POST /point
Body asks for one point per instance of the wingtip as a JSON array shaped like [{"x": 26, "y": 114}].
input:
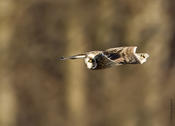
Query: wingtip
[{"x": 61, "y": 58}]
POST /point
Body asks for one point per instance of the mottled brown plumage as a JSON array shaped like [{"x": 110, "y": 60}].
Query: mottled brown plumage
[{"x": 110, "y": 57}]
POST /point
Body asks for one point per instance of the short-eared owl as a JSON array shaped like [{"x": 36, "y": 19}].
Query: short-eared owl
[{"x": 110, "y": 57}]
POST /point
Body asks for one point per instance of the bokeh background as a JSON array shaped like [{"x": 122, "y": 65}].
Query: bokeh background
[{"x": 38, "y": 90}]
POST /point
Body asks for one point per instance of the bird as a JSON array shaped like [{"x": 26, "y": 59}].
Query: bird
[{"x": 96, "y": 60}]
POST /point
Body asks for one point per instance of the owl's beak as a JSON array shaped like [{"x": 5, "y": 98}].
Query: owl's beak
[{"x": 79, "y": 56}]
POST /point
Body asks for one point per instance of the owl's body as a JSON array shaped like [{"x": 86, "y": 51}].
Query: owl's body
[
  {"x": 100, "y": 60},
  {"x": 110, "y": 57}
]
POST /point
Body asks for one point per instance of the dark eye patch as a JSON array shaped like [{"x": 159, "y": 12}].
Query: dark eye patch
[{"x": 91, "y": 60}]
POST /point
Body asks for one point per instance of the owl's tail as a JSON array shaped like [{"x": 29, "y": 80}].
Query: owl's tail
[
  {"x": 79, "y": 56},
  {"x": 137, "y": 58},
  {"x": 142, "y": 57},
  {"x": 129, "y": 56}
]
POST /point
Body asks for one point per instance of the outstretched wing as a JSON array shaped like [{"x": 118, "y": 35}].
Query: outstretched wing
[
  {"x": 78, "y": 56},
  {"x": 125, "y": 55}
]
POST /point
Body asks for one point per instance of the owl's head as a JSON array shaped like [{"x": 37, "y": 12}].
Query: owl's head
[{"x": 90, "y": 61}]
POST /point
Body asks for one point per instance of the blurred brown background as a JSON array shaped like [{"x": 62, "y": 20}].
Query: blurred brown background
[{"x": 38, "y": 90}]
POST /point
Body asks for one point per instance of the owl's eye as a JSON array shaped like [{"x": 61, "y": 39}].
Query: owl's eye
[{"x": 91, "y": 60}]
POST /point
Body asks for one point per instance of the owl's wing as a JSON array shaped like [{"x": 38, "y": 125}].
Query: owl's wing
[
  {"x": 78, "y": 56},
  {"x": 125, "y": 55}
]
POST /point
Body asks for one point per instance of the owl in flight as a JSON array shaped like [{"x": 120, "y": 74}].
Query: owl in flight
[{"x": 113, "y": 56}]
